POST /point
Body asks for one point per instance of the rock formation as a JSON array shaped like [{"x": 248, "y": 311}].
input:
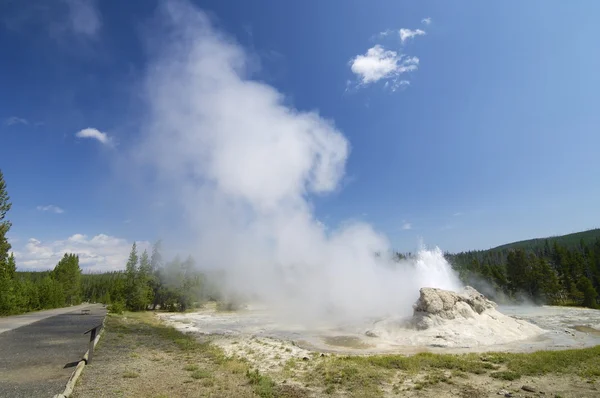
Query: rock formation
[
  {"x": 443, "y": 318},
  {"x": 435, "y": 305}
]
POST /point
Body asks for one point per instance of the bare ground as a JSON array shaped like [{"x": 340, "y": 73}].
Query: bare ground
[
  {"x": 141, "y": 356},
  {"x": 137, "y": 357}
]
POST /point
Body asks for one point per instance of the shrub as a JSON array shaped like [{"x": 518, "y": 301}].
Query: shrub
[{"x": 117, "y": 307}]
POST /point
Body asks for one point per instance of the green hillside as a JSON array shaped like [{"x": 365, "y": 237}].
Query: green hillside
[
  {"x": 555, "y": 270},
  {"x": 570, "y": 241}
]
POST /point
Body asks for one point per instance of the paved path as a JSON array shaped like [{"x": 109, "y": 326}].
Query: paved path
[
  {"x": 34, "y": 349},
  {"x": 12, "y": 322}
]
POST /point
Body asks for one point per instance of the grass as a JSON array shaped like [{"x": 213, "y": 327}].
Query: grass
[
  {"x": 130, "y": 375},
  {"x": 148, "y": 328},
  {"x": 200, "y": 374},
  {"x": 582, "y": 362},
  {"x": 366, "y": 375},
  {"x": 210, "y": 370}
]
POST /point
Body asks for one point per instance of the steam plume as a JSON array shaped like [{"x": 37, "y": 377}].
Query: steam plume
[{"x": 243, "y": 165}]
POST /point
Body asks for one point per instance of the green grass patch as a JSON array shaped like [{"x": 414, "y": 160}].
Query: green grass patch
[
  {"x": 264, "y": 387},
  {"x": 200, "y": 374},
  {"x": 582, "y": 362},
  {"x": 191, "y": 368},
  {"x": 365, "y": 375},
  {"x": 130, "y": 375}
]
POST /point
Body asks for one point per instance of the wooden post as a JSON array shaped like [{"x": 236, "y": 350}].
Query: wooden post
[
  {"x": 91, "y": 343},
  {"x": 91, "y": 348}
]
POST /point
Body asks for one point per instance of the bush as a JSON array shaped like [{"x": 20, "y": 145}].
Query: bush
[{"x": 117, "y": 307}]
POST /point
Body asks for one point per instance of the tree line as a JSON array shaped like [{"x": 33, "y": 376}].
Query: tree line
[
  {"x": 147, "y": 282},
  {"x": 552, "y": 273}
]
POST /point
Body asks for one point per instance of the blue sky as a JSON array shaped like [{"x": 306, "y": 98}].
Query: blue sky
[{"x": 493, "y": 139}]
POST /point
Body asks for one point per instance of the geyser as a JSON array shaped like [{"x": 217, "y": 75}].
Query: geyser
[
  {"x": 445, "y": 318},
  {"x": 243, "y": 164}
]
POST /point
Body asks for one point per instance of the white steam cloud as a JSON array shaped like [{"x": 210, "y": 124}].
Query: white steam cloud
[{"x": 243, "y": 165}]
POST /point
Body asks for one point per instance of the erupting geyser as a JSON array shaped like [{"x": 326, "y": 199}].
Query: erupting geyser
[{"x": 445, "y": 318}]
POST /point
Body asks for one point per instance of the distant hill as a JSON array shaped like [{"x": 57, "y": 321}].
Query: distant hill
[
  {"x": 570, "y": 241},
  {"x": 559, "y": 270}
]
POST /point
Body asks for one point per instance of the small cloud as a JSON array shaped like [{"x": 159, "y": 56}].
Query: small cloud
[
  {"x": 84, "y": 17},
  {"x": 396, "y": 84},
  {"x": 95, "y": 134},
  {"x": 128, "y": 221},
  {"x": 378, "y": 63},
  {"x": 407, "y": 34},
  {"x": 15, "y": 120},
  {"x": 458, "y": 214},
  {"x": 51, "y": 209},
  {"x": 385, "y": 33},
  {"x": 426, "y": 21},
  {"x": 406, "y": 226}
]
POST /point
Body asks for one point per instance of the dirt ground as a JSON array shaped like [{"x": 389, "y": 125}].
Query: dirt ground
[
  {"x": 135, "y": 359},
  {"x": 139, "y": 356}
]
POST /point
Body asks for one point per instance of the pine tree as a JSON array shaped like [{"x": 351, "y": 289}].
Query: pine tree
[
  {"x": 11, "y": 267},
  {"x": 131, "y": 279},
  {"x": 8, "y": 304},
  {"x": 143, "y": 290},
  {"x": 517, "y": 265},
  {"x": 68, "y": 274},
  {"x": 5, "y": 225},
  {"x": 589, "y": 293},
  {"x": 549, "y": 283}
]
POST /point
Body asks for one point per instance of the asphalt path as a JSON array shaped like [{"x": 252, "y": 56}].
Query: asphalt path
[{"x": 36, "y": 347}]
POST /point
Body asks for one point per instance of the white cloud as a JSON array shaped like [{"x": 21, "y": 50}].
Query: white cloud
[
  {"x": 84, "y": 17},
  {"x": 406, "y": 226},
  {"x": 95, "y": 134},
  {"x": 426, "y": 21},
  {"x": 457, "y": 214},
  {"x": 378, "y": 63},
  {"x": 386, "y": 33},
  {"x": 99, "y": 253},
  {"x": 51, "y": 208},
  {"x": 396, "y": 84},
  {"x": 15, "y": 120},
  {"x": 406, "y": 34}
]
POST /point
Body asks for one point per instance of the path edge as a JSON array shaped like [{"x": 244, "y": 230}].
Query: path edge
[{"x": 79, "y": 369}]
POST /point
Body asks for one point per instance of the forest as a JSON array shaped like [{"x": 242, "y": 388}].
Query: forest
[{"x": 561, "y": 270}]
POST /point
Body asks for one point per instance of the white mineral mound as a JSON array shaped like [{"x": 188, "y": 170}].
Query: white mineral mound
[{"x": 443, "y": 318}]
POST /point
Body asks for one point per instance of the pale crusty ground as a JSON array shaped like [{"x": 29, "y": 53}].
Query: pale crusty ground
[{"x": 132, "y": 360}]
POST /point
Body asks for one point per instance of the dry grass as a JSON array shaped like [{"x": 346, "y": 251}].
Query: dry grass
[{"x": 140, "y": 357}]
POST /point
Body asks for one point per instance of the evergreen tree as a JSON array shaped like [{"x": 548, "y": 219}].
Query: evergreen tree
[
  {"x": 549, "y": 284},
  {"x": 131, "y": 269},
  {"x": 588, "y": 292},
  {"x": 5, "y": 225},
  {"x": 517, "y": 265},
  {"x": 51, "y": 294},
  {"x": 143, "y": 292},
  {"x": 68, "y": 274},
  {"x": 8, "y": 304}
]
